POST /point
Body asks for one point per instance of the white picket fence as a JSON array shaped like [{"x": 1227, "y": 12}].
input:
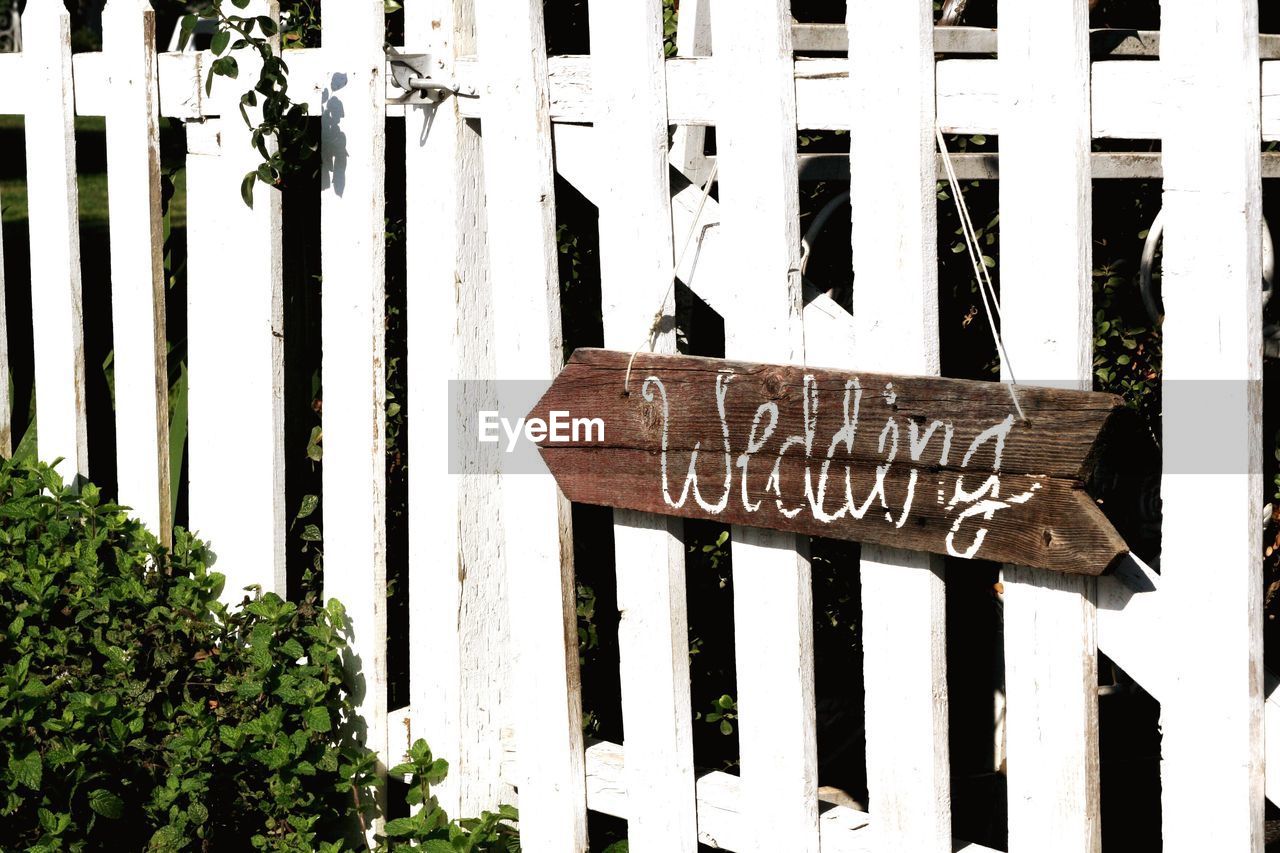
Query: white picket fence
[{"x": 500, "y": 698}]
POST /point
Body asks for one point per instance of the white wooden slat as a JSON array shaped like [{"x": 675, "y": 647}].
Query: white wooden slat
[
  {"x": 527, "y": 341},
  {"x": 723, "y": 822},
  {"x": 1211, "y": 568},
  {"x": 689, "y": 142},
  {"x": 235, "y": 354},
  {"x": 353, "y": 334},
  {"x": 1128, "y": 95},
  {"x": 828, "y": 327},
  {"x": 636, "y": 258},
  {"x": 1050, "y": 636},
  {"x": 53, "y": 205},
  {"x": 895, "y": 313},
  {"x": 137, "y": 276},
  {"x": 759, "y": 197},
  {"x": 460, "y": 645}
]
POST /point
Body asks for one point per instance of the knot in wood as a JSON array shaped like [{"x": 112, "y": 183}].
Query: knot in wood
[{"x": 774, "y": 386}]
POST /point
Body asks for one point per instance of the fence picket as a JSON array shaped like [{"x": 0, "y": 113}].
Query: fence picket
[
  {"x": 759, "y": 208},
  {"x": 689, "y": 142},
  {"x": 520, "y": 191},
  {"x": 895, "y": 312},
  {"x": 235, "y": 350},
  {"x": 53, "y": 210},
  {"x": 1046, "y": 285},
  {"x": 636, "y": 257},
  {"x": 460, "y": 644},
  {"x": 137, "y": 277},
  {"x": 1212, "y": 384},
  {"x": 353, "y": 332}
]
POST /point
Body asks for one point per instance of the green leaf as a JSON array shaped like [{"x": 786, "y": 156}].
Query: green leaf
[
  {"x": 311, "y": 533},
  {"x": 106, "y": 803},
  {"x": 309, "y": 504},
  {"x": 401, "y": 826},
  {"x": 219, "y": 42},
  {"x": 267, "y": 25},
  {"x": 27, "y": 770},
  {"x": 246, "y": 188},
  {"x": 317, "y": 719},
  {"x": 726, "y": 727}
]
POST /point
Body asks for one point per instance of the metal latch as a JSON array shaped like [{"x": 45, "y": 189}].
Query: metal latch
[{"x": 412, "y": 72}]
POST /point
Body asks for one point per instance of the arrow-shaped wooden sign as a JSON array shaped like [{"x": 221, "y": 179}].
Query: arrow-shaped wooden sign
[{"x": 926, "y": 464}]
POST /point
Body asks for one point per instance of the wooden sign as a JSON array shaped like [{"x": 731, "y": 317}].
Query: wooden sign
[{"x": 927, "y": 464}]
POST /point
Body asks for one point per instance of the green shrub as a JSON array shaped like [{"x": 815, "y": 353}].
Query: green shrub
[{"x": 136, "y": 711}]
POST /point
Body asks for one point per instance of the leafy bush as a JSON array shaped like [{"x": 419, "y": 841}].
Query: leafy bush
[{"x": 136, "y": 711}]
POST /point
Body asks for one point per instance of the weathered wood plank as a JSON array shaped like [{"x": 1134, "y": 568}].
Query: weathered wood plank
[
  {"x": 137, "y": 277},
  {"x": 759, "y": 193},
  {"x": 236, "y": 393},
  {"x": 460, "y": 644},
  {"x": 53, "y": 204},
  {"x": 689, "y": 142},
  {"x": 1212, "y": 357},
  {"x": 794, "y": 424},
  {"x": 353, "y": 372},
  {"x": 520, "y": 191},
  {"x": 1128, "y": 95},
  {"x": 722, "y": 819},
  {"x": 636, "y": 279},
  {"x": 1050, "y": 637},
  {"x": 895, "y": 312}
]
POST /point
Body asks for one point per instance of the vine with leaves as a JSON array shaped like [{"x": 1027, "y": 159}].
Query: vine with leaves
[{"x": 278, "y": 131}]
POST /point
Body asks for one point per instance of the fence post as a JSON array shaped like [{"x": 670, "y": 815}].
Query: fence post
[
  {"x": 235, "y": 398},
  {"x": 53, "y": 210},
  {"x": 527, "y": 342},
  {"x": 636, "y": 279},
  {"x": 137, "y": 276},
  {"x": 759, "y": 209},
  {"x": 1050, "y": 633},
  {"x": 1211, "y": 566},
  {"x": 460, "y": 643},
  {"x": 353, "y": 333},
  {"x": 895, "y": 309}
]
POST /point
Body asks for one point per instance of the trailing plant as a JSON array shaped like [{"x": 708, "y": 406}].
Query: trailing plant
[{"x": 279, "y": 130}]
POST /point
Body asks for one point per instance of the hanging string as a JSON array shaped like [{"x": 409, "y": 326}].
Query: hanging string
[
  {"x": 985, "y": 286},
  {"x": 651, "y": 336}
]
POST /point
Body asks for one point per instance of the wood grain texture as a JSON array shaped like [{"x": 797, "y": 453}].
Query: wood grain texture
[
  {"x": 895, "y": 317},
  {"x": 1212, "y": 210},
  {"x": 756, "y": 148},
  {"x": 137, "y": 276},
  {"x": 636, "y": 280},
  {"x": 460, "y": 643},
  {"x": 1047, "y": 458},
  {"x": 1050, "y": 636},
  {"x": 520, "y": 191},
  {"x": 53, "y": 205},
  {"x": 353, "y": 371}
]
